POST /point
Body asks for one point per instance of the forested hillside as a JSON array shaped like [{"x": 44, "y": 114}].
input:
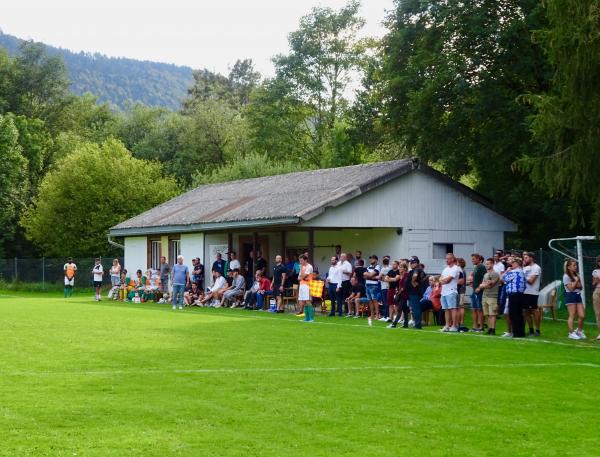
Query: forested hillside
[{"x": 119, "y": 80}]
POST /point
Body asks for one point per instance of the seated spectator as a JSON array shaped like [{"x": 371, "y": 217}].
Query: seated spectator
[
  {"x": 152, "y": 286},
  {"x": 357, "y": 297},
  {"x": 250, "y": 295},
  {"x": 426, "y": 303},
  {"x": 436, "y": 301},
  {"x": 264, "y": 290},
  {"x": 139, "y": 283},
  {"x": 193, "y": 296},
  {"x": 238, "y": 284},
  {"x": 212, "y": 293}
]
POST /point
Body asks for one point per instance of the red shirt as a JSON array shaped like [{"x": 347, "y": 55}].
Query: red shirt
[{"x": 264, "y": 284}]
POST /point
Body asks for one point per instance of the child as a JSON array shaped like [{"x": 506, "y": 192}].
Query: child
[
  {"x": 98, "y": 272},
  {"x": 123, "y": 286}
]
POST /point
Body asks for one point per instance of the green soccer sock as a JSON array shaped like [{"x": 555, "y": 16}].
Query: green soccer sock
[{"x": 65, "y": 291}]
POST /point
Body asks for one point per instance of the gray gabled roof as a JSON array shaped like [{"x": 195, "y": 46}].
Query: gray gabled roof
[{"x": 273, "y": 200}]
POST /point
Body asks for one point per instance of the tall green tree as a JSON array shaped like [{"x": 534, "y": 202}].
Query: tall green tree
[
  {"x": 89, "y": 190},
  {"x": 454, "y": 72},
  {"x": 305, "y": 101},
  {"x": 14, "y": 183},
  {"x": 567, "y": 121}
]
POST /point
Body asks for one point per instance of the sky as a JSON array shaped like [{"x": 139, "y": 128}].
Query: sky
[{"x": 197, "y": 33}]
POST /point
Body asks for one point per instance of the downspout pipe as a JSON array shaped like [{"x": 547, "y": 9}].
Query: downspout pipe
[{"x": 115, "y": 244}]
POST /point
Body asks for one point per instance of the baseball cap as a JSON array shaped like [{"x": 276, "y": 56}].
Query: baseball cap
[{"x": 414, "y": 259}]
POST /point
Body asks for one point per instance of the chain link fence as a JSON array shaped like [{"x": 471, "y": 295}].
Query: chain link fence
[{"x": 47, "y": 273}]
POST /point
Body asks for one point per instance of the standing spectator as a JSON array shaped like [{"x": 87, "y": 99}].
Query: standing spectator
[
  {"x": 278, "y": 285},
  {"x": 198, "y": 273},
  {"x": 414, "y": 287},
  {"x": 358, "y": 258},
  {"x": 306, "y": 308},
  {"x": 334, "y": 282},
  {"x": 596, "y": 294},
  {"x": 70, "y": 270},
  {"x": 233, "y": 261},
  {"x": 572, "y": 283},
  {"x": 373, "y": 289},
  {"x": 115, "y": 273},
  {"x": 345, "y": 275},
  {"x": 165, "y": 269},
  {"x": 449, "y": 282},
  {"x": 261, "y": 264},
  {"x": 489, "y": 295},
  {"x": 533, "y": 274},
  {"x": 514, "y": 280},
  {"x": 181, "y": 279},
  {"x": 219, "y": 264},
  {"x": 477, "y": 296},
  {"x": 249, "y": 269},
  {"x": 385, "y": 269},
  {"x": 500, "y": 268},
  {"x": 359, "y": 271},
  {"x": 401, "y": 298},
  {"x": 462, "y": 290},
  {"x": 391, "y": 279},
  {"x": 98, "y": 272}
]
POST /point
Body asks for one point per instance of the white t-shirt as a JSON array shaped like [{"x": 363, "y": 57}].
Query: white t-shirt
[
  {"x": 345, "y": 270},
  {"x": 452, "y": 286},
  {"x": 596, "y": 274},
  {"x": 98, "y": 272},
  {"x": 534, "y": 269},
  {"x": 566, "y": 281},
  {"x": 235, "y": 263},
  {"x": 220, "y": 282},
  {"x": 499, "y": 268},
  {"x": 384, "y": 284}
]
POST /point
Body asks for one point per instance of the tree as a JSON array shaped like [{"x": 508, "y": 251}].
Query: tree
[
  {"x": 305, "y": 100},
  {"x": 567, "y": 121},
  {"x": 91, "y": 189},
  {"x": 233, "y": 89},
  {"x": 454, "y": 72},
  {"x": 252, "y": 165},
  {"x": 14, "y": 183}
]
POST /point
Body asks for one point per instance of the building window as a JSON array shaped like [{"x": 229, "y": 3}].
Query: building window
[
  {"x": 154, "y": 254},
  {"x": 441, "y": 249},
  {"x": 174, "y": 250}
]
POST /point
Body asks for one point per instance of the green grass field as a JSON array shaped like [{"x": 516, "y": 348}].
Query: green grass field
[{"x": 80, "y": 378}]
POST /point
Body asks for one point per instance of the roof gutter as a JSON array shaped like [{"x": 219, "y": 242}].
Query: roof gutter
[
  {"x": 213, "y": 226},
  {"x": 113, "y": 243}
]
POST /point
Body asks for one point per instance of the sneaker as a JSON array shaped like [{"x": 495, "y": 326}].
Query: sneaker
[
  {"x": 507, "y": 335},
  {"x": 598, "y": 337},
  {"x": 453, "y": 330},
  {"x": 393, "y": 326},
  {"x": 174, "y": 307},
  {"x": 537, "y": 333},
  {"x": 300, "y": 315},
  {"x": 349, "y": 315},
  {"x": 370, "y": 321},
  {"x": 574, "y": 336},
  {"x": 382, "y": 319},
  {"x": 411, "y": 323},
  {"x": 356, "y": 316},
  {"x": 444, "y": 329},
  {"x": 311, "y": 320},
  {"x": 388, "y": 319},
  {"x": 181, "y": 307},
  {"x": 401, "y": 322},
  {"x": 581, "y": 334}
]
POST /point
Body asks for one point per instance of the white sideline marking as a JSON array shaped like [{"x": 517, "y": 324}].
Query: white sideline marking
[
  {"x": 296, "y": 369},
  {"x": 531, "y": 340}
]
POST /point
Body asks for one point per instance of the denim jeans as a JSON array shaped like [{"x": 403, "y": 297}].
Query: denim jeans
[
  {"x": 415, "y": 306},
  {"x": 178, "y": 291},
  {"x": 260, "y": 299}
]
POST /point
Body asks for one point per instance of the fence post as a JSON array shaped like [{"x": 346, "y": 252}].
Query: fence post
[
  {"x": 43, "y": 273},
  {"x": 16, "y": 270}
]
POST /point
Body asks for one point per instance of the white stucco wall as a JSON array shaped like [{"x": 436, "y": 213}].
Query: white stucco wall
[
  {"x": 192, "y": 245},
  {"x": 136, "y": 253}
]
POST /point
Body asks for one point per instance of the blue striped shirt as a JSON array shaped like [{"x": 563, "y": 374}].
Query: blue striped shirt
[{"x": 515, "y": 281}]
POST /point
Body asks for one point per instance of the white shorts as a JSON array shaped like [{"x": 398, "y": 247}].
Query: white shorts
[
  {"x": 69, "y": 282},
  {"x": 304, "y": 292}
]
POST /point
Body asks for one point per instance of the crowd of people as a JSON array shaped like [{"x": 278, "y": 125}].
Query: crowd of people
[{"x": 398, "y": 292}]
